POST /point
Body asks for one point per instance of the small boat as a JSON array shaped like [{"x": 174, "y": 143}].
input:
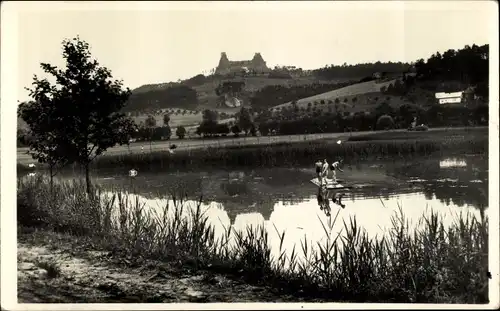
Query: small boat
[{"x": 330, "y": 184}]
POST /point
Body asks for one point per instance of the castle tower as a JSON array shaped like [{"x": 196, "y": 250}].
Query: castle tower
[
  {"x": 257, "y": 58},
  {"x": 224, "y": 64},
  {"x": 258, "y": 63}
]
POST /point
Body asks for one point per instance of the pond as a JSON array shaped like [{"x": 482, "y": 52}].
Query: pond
[{"x": 284, "y": 199}]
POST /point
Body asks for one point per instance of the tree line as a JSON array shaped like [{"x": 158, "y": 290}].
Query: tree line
[
  {"x": 332, "y": 72},
  {"x": 383, "y": 117},
  {"x": 173, "y": 96},
  {"x": 469, "y": 66}
]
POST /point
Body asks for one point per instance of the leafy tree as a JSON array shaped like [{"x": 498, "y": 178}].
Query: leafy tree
[
  {"x": 85, "y": 107},
  {"x": 253, "y": 130},
  {"x": 165, "y": 132},
  {"x": 209, "y": 116},
  {"x": 150, "y": 124},
  {"x": 245, "y": 120},
  {"x": 166, "y": 119},
  {"x": 235, "y": 129},
  {"x": 180, "y": 132},
  {"x": 385, "y": 122},
  {"x": 45, "y": 128},
  {"x": 222, "y": 129},
  {"x": 199, "y": 131},
  {"x": 384, "y": 108},
  {"x": 264, "y": 129}
]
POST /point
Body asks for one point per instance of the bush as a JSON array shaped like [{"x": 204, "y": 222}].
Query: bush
[
  {"x": 385, "y": 122},
  {"x": 180, "y": 132}
]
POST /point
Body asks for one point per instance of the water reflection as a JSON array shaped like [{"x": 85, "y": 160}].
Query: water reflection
[
  {"x": 459, "y": 181},
  {"x": 305, "y": 220},
  {"x": 452, "y": 162}
]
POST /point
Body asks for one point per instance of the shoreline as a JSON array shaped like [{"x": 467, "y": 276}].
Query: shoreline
[
  {"x": 363, "y": 146},
  {"x": 89, "y": 274},
  {"x": 375, "y": 272}
]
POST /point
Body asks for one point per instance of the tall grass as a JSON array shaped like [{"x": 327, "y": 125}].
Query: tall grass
[
  {"x": 292, "y": 154},
  {"x": 432, "y": 263}
]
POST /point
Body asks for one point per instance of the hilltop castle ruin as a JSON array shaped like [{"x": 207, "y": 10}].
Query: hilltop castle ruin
[{"x": 255, "y": 65}]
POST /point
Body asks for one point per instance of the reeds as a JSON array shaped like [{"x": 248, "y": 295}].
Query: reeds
[{"x": 431, "y": 263}]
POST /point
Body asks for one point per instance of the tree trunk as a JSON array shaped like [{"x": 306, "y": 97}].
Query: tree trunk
[
  {"x": 51, "y": 168},
  {"x": 87, "y": 178}
]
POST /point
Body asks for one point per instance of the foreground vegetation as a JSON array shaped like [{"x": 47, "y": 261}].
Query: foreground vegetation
[{"x": 429, "y": 264}]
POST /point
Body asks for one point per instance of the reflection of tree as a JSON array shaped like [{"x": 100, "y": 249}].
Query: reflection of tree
[
  {"x": 474, "y": 194},
  {"x": 233, "y": 209},
  {"x": 462, "y": 192},
  {"x": 234, "y": 188}
]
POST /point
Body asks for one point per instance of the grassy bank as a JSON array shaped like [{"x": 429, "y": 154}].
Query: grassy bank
[
  {"x": 293, "y": 154},
  {"x": 388, "y": 144},
  {"x": 436, "y": 134},
  {"x": 433, "y": 264}
]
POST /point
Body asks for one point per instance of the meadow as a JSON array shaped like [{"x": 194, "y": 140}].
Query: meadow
[
  {"x": 432, "y": 263},
  {"x": 370, "y": 87}
]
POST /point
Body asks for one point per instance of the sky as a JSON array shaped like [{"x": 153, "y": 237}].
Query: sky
[{"x": 144, "y": 43}]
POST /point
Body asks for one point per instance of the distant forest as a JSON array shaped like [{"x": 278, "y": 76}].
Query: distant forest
[
  {"x": 174, "y": 96},
  {"x": 358, "y": 71},
  {"x": 469, "y": 66}
]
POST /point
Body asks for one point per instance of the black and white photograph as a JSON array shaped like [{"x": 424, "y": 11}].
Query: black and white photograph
[{"x": 322, "y": 154}]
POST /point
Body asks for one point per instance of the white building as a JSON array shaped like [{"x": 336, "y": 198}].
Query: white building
[{"x": 449, "y": 98}]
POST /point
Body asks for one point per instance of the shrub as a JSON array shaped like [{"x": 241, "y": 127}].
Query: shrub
[
  {"x": 385, "y": 122},
  {"x": 180, "y": 132}
]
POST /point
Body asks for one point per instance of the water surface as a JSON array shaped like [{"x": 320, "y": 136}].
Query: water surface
[{"x": 284, "y": 199}]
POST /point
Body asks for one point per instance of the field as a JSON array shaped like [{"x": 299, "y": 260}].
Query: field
[
  {"x": 178, "y": 117},
  {"x": 356, "y": 103},
  {"x": 370, "y": 87},
  {"x": 178, "y": 246}
]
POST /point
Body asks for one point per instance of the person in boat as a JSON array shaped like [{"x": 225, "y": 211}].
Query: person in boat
[
  {"x": 318, "y": 165},
  {"x": 324, "y": 172},
  {"x": 336, "y": 167}
]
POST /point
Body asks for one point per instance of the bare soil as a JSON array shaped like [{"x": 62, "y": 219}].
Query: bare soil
[{"x": 82, "y": 274}]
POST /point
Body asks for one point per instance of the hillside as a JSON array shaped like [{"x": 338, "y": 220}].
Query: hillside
[
  {"x": 204, "y": 96},
  {"x": 343, "y": 94}
]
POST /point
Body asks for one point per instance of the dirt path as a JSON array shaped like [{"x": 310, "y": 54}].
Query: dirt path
[{"x": 88, "y": 276}]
